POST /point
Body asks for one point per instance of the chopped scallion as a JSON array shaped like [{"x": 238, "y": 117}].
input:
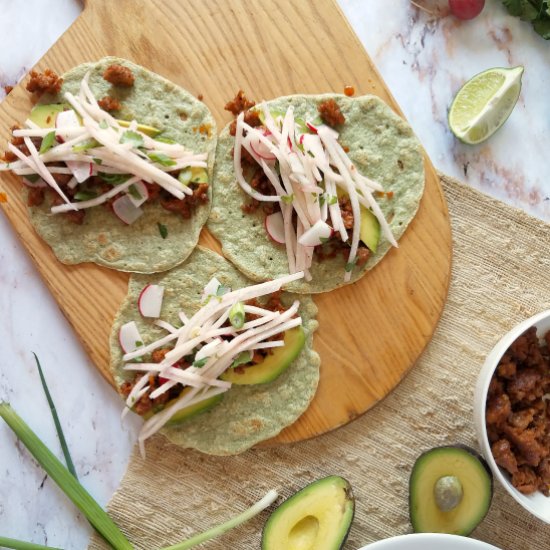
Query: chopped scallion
[{"x": 236, "y": 315}]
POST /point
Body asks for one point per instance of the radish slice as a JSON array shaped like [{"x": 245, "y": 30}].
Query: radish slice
[
  {"x": 312, "y": 237},
  {"x": 140, "y": 189},
  {"x": 261, "y": 149},
  {"x": 275, "y": 227},
  {"x": 65, "y": 119},
  {"x": 81, "y": 170},
  {"x": 125, "y": 210},
  {"x": 129, "y": 337},
  {"x": 150, "y": 301}
]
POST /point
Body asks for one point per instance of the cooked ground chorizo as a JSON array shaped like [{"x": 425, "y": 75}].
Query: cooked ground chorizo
[
  {"x": 239, "y": 104},
  {"x": 46, "y": 82},
  {"x": 330, "y": 112},
  {"x": 108, "y": 103},
  {"x": 35, "y": 196},
  {"x": 346, "y": 211},
  {"x": 118, "y": 75},
  {"x": 8, "y": 89},
  {"x": 186, "y": 205},
  {"x": 252, "y": 118},
  {"x": 518, "y": 415}
]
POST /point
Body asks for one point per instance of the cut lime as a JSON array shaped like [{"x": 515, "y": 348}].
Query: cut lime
[{"x": 484, "y": 103}]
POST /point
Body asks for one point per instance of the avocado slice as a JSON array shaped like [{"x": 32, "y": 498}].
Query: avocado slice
[
  {"x": 316, "y": 518},
  {"x": 369, "y": 232},
  {"x": 450, "y": 491},
  {"x": 190, "y": 411},
  {"x": 44, "y": 116},
  {"x": 193, "y": 174},
  {"x": 273, "y": 365}
]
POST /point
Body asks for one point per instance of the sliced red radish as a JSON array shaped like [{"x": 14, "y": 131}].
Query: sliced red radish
[
  {"x": 38, "y": 183},
  {"x": 311, "y": 127},
  {"x": 81, "y": 170},
  {"x": 129, "y": 337},
  {"x": 125, "y": 210},
  {"x": 150, "y": 301},
  {"x": 316, "y": 234},
  {"x": 136, "y": 189},
  {"x": 275, "y": 227},
  {"x": 65, "y": 119},
  {"x": 261, "y": 149}
]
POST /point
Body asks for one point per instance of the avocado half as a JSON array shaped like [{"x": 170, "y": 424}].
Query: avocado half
[
  {"x": 273, "y": 365},
  {"x": 316, "y": 518},
  {"x": 450, "y": 491}
]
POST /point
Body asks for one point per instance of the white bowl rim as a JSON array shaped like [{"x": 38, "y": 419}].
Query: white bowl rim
[
  {"x": 480, "y": 398},
  {"x": 440, "y": 538}
]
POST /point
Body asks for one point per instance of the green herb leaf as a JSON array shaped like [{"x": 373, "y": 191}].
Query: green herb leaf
[
  {"x": 163, "y": 230},
  {"x": 161, "y": 158},
  {"x": 322, "y": 199},
  {"x": 287, "y": 199},
  {"x": 331, "y": 199},
  {"x": 47, "y": 142},
  {"x": 132, "y": 137},
  {"x": 138, "y": 343},
  {"x": 222, "y": 290},
  {"x": 85, "y": 145},
  {"x": 200, "y": 363},
  {"x": 236, "y": 315},
  {"x": 58, "y": 428},
  {"x": 97, "y": 161},
  {"x": 33, "y": 178},
  {"x": 350, "y": 265},
  {"x": 99, "y": 519},
  {"x": 85, "y": 195},
  {"x": 324, "y": 239},
  {"x": 103, "y": 125},
  {"x": 242, "y": 359},
  {"x": 114, "y": 179},
  {"x": 134, "y": 192},
  {"x": 535, "y": 11}
]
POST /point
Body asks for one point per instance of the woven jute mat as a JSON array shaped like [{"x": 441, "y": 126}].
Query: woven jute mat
[{"x": 500, "y": 275}]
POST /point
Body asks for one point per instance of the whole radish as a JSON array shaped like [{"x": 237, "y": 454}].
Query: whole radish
[{"x": 466, "y": 9}]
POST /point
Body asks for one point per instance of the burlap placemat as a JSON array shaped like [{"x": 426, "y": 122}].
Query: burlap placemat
[{"x": 501, "y": 274}]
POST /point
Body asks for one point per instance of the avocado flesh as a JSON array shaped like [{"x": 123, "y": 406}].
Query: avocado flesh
[
  {"x": 316, "y": 518},
  {"x": 369, "y": 231},
  {"x": 44, "y": 116},
  {"x": 273, "y": 365},
  {"x": 190, "y": 411},
  {"x": 477, "y": 486}
]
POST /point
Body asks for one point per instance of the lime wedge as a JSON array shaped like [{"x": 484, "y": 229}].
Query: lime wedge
[{"x": 484, "y": 103}]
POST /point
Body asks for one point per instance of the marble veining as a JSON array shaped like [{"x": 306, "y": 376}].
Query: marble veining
[{"x": 423, "y": 57}]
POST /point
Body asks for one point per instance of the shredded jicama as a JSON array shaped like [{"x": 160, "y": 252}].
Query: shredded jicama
[{"x": 311, "y": 166}]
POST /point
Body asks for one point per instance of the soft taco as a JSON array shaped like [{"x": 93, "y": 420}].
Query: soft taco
[
  {"x": 116, "y": 163},
  {"x": 324, "y": 184},
  {"x": 216, "y": 364}
]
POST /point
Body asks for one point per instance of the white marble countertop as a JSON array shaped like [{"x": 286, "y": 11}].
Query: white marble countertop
[{"x": 423, "y": 58}]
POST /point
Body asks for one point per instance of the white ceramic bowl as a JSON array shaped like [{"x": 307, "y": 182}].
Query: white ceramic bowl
[
  {"x": 429, "y": 541},
  {"x": 537, "y": 504}
]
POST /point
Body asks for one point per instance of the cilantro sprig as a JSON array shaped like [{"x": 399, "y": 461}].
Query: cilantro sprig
[{"x": 535, "y": 11}]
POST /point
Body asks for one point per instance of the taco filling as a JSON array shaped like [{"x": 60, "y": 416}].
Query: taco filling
[
  {"x": 243, "y": 336},
  {"x": 316, "y": 200},
  {"x": 76, "y": 155}
]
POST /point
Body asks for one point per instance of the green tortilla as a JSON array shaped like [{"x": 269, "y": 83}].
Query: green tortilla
[
  {"x": 246, "y": 414},
  {"x": 103, "y": 238},
  {"x": 382, "y": 146}
]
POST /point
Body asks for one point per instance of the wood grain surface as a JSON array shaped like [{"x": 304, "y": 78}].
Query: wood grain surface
[{"x": 371, "y": 333}]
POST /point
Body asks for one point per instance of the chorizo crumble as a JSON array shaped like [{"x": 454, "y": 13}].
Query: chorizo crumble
[
  {"x": 109, "y": 104},
  {"x": 46, "y": 82},
  {"x": 330, "y": 113},
  {"x": 119, "y": 75},
  {"x": 518, "y": 414}
]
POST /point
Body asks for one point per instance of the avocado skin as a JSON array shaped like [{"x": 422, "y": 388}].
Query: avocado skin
[
  {"x": 452, "y": 522},
  {"x": 331, "y": 493},
  {"x": 273, "y": 365}
]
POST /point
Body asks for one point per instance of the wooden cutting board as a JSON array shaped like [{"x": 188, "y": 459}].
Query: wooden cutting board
[{"x": 371, "y": 333}]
